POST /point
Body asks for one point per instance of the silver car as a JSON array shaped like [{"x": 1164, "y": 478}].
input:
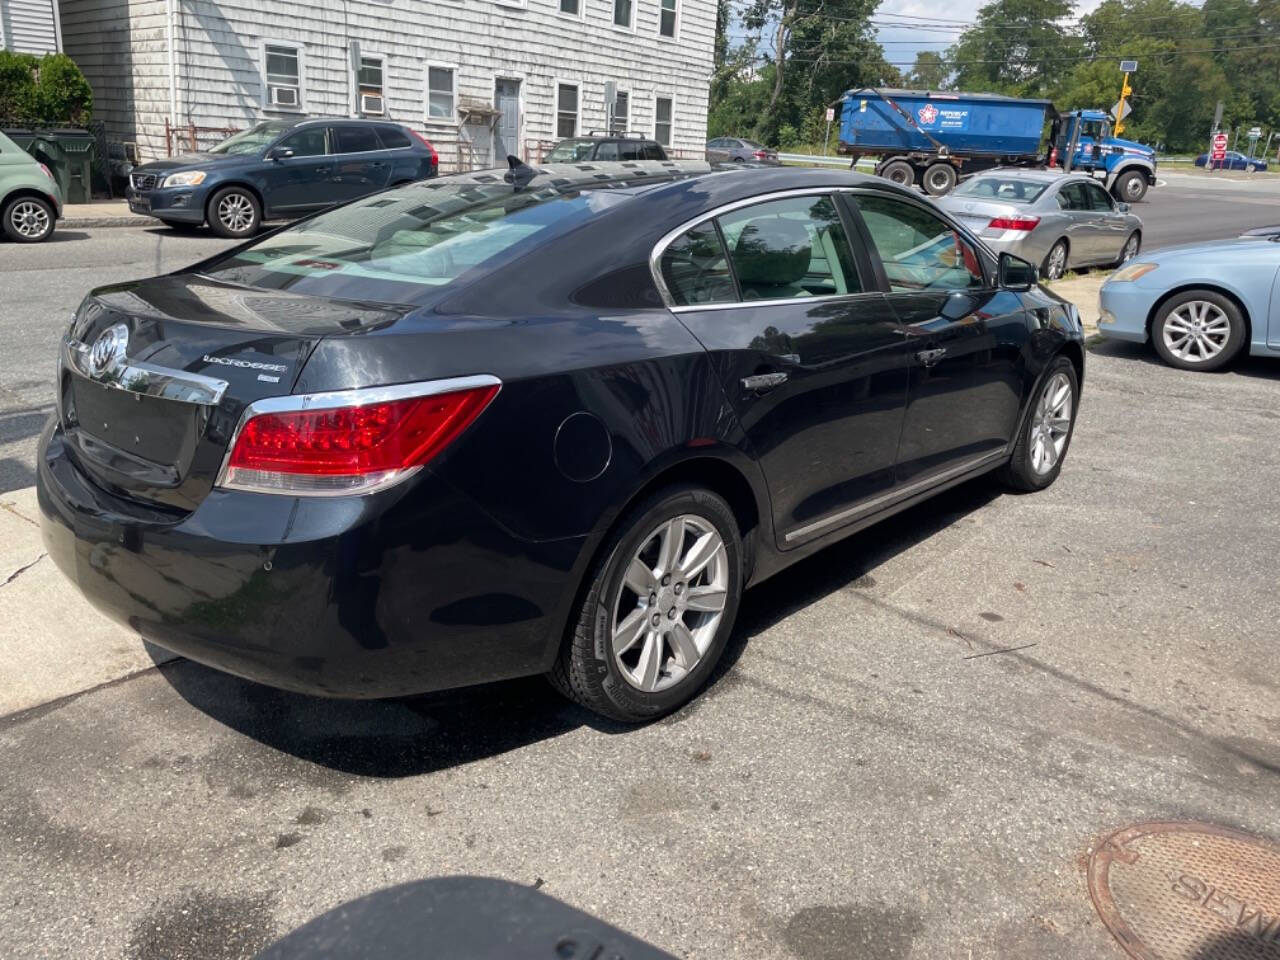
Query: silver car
[
  {"x": 1057, "y": 221},
  {"x": 737, "y": 150}
]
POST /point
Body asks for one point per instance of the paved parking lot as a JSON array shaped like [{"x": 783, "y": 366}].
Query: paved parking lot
[{"x": 914, "y": 740}]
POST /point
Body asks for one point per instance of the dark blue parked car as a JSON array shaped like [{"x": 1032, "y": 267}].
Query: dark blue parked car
[
  {"x": 279, "y": 169},
  {"x": 1233, "y": 160}
]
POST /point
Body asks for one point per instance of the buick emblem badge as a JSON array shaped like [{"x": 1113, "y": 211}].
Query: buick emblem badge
[{"x": 108, "y": 350}]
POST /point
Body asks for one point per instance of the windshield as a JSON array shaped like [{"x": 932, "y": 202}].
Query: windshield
[
  {"x": 397, "y": 246},
  {"x": 571, "y": 151},
  {"x": 1012, "y": 189},
  {"x": 252, "y": 140}
]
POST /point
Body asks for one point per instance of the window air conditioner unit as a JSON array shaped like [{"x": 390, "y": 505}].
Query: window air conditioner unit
[
  {"x": 283, "y": 96},
  {"x": 371, "y": 103}
]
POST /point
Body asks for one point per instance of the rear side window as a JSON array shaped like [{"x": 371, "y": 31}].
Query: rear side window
[
  {"x": 355, "y": 139},
  {"x": 920, "y": 251},
  {"x": 631, "y": 150},
  {"x": 653, "y": 152},
  {"x": 393, "y": 138},
  {"x": 695, "y": 268},
  {"x": 607, "y": 150},
  {"x": 790, "y": 248}
]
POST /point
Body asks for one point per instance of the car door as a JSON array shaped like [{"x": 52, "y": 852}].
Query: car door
[
  {"x": 810, "y": 355},
  {"x": 1107, "y": 225},
  {"x": 297, "y": 172},
  {"x": 718, "y": 150},
  {"x": 360, "y": 165},
  {"x": 966, "y": 380},
  {"x": 1079, "y": 231}
]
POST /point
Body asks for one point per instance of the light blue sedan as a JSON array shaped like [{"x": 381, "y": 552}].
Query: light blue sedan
[{"x": 1199, "y": 305}]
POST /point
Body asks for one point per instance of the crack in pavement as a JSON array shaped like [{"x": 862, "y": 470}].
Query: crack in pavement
[
  {"x": 21, "y": 570},
  {"x": 11, "y": 508}
]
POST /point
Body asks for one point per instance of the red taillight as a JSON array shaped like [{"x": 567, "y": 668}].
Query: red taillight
[
  {"x": 47, "y": 172},
  {"x": 337, "y": 448},
  {"x": 1013, "y": 223},
  {"x": 761, "y": 154},
  {"x": 425, "y": 142}
]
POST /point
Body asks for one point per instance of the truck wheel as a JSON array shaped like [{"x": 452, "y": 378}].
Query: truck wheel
[
  {"x": 1130, "y": 187},
  {"x": 940, "y": 179},
  {"x": 899, "y": 172}
]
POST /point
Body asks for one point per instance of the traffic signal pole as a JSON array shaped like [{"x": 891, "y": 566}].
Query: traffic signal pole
[{"x": 1125, "y": 91}]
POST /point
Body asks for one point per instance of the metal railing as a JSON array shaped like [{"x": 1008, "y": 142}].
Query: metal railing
[{"x": 193, "y": 139}]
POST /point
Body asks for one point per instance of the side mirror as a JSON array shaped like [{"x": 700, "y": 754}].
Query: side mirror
[
  {"x": 1122, "y": 207},
  {"x": 1017, "y": 274},
  {"x": 280, "y": 153}
]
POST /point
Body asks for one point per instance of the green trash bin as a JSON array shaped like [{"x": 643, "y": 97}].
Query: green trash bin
[{"x": 77, "y": 148}]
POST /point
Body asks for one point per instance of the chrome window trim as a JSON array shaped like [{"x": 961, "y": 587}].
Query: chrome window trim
[
  {"x": 900, "y": 493},
  {"x": 660, "y": 248},
  {"x": 330, "y": 399},
  {"x": 145, "y": 379}
]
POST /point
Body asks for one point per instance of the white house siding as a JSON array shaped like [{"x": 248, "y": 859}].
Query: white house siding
[
  {"x": 29, "y": 26},
  {"x": 219, "y": 53}
]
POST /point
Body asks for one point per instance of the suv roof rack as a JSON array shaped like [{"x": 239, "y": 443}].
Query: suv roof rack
[{"x": 615, "y": 135}]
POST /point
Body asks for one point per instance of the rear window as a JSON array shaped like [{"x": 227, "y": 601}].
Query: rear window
[
  {"x": 1011, "y": 189},
  {"x": 400, "y": 246},
  {"x": 393, "y": 138}
]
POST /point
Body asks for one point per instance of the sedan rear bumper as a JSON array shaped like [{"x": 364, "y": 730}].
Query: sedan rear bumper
[{"x": 411, "y": 590}]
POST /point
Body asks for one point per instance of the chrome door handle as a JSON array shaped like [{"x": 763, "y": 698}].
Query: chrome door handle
[
  {"x": 763, "y": 381},
  {"x": 930, "y": 357}
]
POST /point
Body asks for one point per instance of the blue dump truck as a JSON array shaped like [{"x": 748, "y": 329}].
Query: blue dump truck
[{"x": 931, "y": 139}]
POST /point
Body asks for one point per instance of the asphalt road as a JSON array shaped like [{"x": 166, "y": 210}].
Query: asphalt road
[
  {"x": 916, "y": 738},
  {"x": 40, "y": 286}
]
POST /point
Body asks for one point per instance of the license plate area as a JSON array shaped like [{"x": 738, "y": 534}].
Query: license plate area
[{"x": 157, "y": 437}]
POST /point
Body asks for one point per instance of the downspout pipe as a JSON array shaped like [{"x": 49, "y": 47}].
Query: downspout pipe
[{"x": 171, "y": 11}]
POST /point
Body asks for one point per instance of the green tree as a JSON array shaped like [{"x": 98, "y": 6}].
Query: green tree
[
  {"x": 1016, "y": 47},
  {"x": 930, "y": 72}
]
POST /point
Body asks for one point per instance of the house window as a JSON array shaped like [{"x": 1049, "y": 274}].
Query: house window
[
  {"x": 667, "y": 18},
  {"x": 369, "y": 83},
  {"x": 566, "y": 110},
  {"x": 662, "y": 120},
  {"x": 283, "y": 72},
  {"x": 622, "y": 11},
  {"x": 621, "y": 109},
  {"x": 572, "y": 7},
  {"x": 441, "y": 93}
]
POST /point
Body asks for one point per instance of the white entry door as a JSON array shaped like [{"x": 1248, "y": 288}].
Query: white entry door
[{"x": 506, "y": 99}]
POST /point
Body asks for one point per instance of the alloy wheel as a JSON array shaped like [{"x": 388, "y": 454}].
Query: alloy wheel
[
  {"x": 1196, "y": 331},
  {"x": 1057, "y": 262},
  {"x": 670, "y": 603},
  {"x": 1130, "y": 249},
  {"x": 235, "y": 212},
  {"x": 30, "y": 219},
  {"x": 1050, "y": 423}
]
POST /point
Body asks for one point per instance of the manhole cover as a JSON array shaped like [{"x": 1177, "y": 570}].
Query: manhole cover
[{"x": 1188, "y": 891}]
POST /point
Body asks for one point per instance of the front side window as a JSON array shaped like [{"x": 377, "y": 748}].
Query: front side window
[
  {"x": 1098, "y": 199},
  {"x": 791, "y": 248},
  {"x": 662, "y": 110},
  {"x": 920, "y": 251},
  {"x": 440, "y": 92},
  {"x": 695, "y": 268},
  {"x": 571, "y": 151},
  {"x": 305, "y": 143},
  {"x": 1071, "y": 197},
  {"x": 566, "y": 110},
  {"x": 667, "y": 18},
  {"x": 622, "y": 13},
  {"x": 282, "y": 70}
]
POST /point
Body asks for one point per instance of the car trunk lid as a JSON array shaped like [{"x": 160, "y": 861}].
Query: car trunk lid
[{"x": 155, "y": 375}]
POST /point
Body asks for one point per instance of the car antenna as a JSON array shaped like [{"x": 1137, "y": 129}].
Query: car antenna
[{"x": 520, "y": 173}]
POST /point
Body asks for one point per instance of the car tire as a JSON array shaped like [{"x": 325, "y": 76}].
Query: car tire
[
  {"x": 622, "y": 657},
  {"x": 1198, "y": 330},
  {"x": 28, "y": 219},
  {"x": 1250, "y": 167},
  {"x": 940, "y": 179},
  {"x": 1045, "y": 435},
  {"x": 1055, "y": 262},
  {"x": 182, "y": 226},
  {"x": 1132, "y": 247},
  {"x": 1130, "y": 187},
  {"x": 899, "y": 172},
  {"x": 234, "y": 212}
]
